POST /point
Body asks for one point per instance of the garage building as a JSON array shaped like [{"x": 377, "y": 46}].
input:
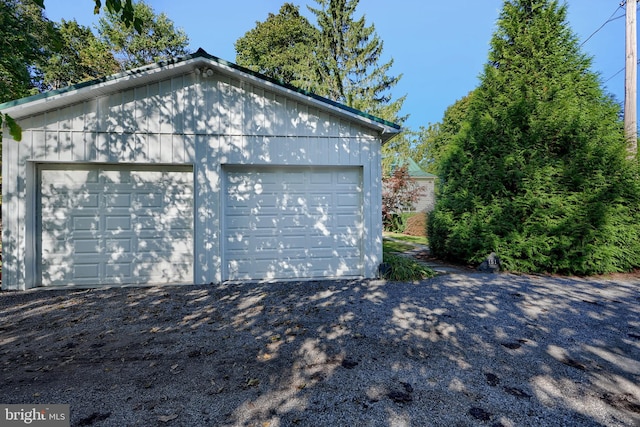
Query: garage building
[{"x": 189, "y": 171}]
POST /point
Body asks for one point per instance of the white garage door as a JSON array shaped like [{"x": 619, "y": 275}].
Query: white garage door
[
  {"x": 104, "y": 225},
  {"x": 291, "y": 222}
]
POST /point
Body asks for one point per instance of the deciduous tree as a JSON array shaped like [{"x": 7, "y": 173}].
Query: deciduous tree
[
  {"x": 281, "y": 47},
  {"x": 399, "y": 193},
  {"x": 155, "y": 40},
  {"x": 81, "y": 57},
  {"x": 27, "y": 39}
]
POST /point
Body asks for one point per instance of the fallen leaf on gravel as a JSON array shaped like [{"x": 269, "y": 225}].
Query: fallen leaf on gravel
[
  {"x": 511, "y": 345},
  {"x": 408, "y": 387},
  {"x": 519, "y": 393},
  {"x": 400, "y": 397},
  {"x": 252, "y": 382},
  {"x": 574, "y": 364},
  {"x": 492, "y": 379},
  {"x": 480, "y": 414},
  {"x": 349, "y": 364},
  {"x": 167, "y": 418}
]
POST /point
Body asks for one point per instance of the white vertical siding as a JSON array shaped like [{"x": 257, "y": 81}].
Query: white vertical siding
[{"x": 206, "y": 121}]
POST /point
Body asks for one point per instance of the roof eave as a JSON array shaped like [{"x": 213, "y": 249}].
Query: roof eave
[{"x": 76, "y": 93}]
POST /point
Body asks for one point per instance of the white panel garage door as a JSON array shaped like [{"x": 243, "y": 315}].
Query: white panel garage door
[
  {"x": 104, "y": 225},
  {"x": 291, "y": 222}
]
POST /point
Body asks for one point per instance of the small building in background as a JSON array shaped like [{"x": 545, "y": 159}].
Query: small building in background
[{"x": 424, "y": 180}]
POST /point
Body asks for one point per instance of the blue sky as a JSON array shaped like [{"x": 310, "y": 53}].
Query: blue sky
[{"x": 439, "y": 47}]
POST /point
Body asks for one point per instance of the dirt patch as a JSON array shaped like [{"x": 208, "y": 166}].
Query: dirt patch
[
  {"x": 417, "y": 225},
  {"x": 459, "y": 349}
]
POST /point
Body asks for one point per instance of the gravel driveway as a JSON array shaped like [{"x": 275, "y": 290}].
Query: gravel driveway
[{"x": 457, "y": 350}]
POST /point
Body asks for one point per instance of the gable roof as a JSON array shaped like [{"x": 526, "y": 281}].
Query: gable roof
[
  {"x": 413, "y": 169},
  {"x": 79, "y": 92}
]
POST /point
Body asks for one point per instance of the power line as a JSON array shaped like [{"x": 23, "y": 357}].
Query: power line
[
  {"x": 621, "y": 70},
  {"x": 610, "y": 19}
]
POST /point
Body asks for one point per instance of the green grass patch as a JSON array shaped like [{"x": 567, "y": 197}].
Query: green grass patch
[
  {"x": 420, "y": 240},
  {"x": 391, "y": 246}
]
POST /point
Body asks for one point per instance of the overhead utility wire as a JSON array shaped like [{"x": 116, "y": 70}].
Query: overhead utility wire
[
  {"x": 611, "y": 18},
  {"x": 616, "y": 74}
]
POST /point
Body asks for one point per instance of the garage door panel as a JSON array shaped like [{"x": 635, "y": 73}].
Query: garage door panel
[
  {"x": 121, "y": 270},
  {"x": 288, "y": 222},
  {"x": 82, "y": 223},
  {"x": 87, "y": 247},
  {"x": 148, "y": 200},
  {"x": 118, "y": 200},
  {"x": 85, "y": 271},
  {"x": 143, "y": 222},
  {"x": 119, "y": 223}
]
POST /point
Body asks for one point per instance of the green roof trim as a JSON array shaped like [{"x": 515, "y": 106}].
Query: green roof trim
[
  {"x": 88, "y": 83},
  {"x": 200, "y": 53}
]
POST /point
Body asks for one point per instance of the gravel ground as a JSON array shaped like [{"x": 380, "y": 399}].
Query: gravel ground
[{"x": 457, "y": 350}]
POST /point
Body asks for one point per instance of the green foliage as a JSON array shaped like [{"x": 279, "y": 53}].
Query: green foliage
[
  {"x": 402, "y": 268},
  {"x": 14, "y": 129},
  {"x": 348, "y": 61},
  {"x": 157, "y": 39},
  {"x": 395, "y": 246},
  {"x": 27, "y": 40},
  {"x": 281, "y": 47},
  {"x": 397, "y": 223},
  {"x": 338, "y": 58},
  {"x": 37, "y": 55},
  {"x": 536, "y": 170},
  {"x": 420, "y": 240},
  {"x": 402, "y": 146},
  {"x": 123, "y": 9},
  {"x": 80, "y": 57},
  {"x": 437, "y": 139}
]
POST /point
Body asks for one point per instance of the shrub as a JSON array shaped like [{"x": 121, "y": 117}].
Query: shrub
[{"x": 401, "y": 268}]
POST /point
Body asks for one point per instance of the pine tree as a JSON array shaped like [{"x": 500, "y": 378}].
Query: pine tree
[
  {"x": 349, "y": 61},
  {"x": 538, "y": 172}
]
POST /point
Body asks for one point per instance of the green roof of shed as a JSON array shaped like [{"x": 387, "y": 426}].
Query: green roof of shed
[{"x": 414, "y": 170}]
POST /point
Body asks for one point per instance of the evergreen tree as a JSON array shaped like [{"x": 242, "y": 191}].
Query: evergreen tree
[
  {"x": 537, "y": 172},
  {"x": 281, "y": 47},
  {"x": 348, "y": 61}
]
